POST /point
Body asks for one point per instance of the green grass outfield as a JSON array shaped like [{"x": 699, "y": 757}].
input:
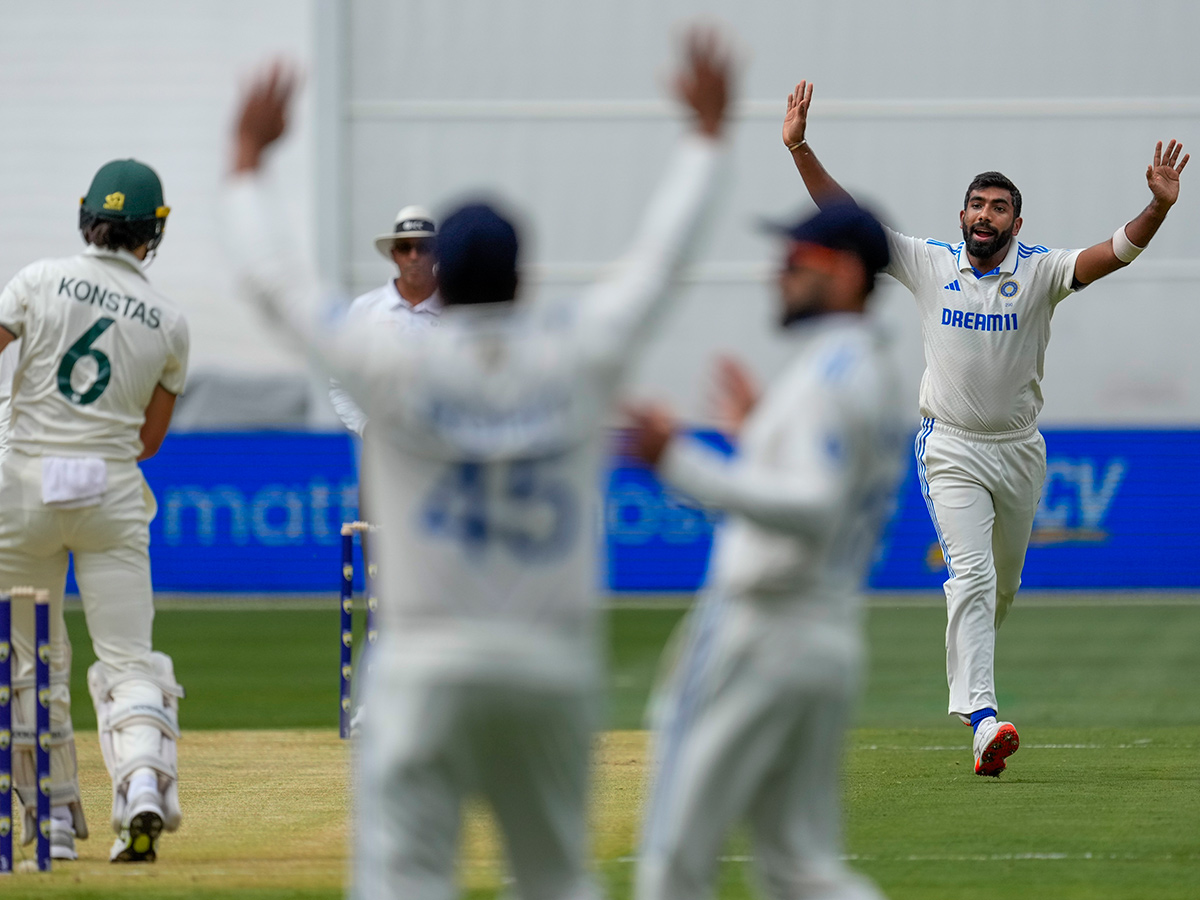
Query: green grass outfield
[{"x": 1103, "y": 799}]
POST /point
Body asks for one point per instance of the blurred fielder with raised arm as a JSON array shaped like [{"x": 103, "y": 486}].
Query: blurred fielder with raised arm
[
  {"x": 102, "y": 356},
  {"x": 488, "y": 435},
  {"x": 985, "y": 305},
  {"x": 749, "y": 725}
]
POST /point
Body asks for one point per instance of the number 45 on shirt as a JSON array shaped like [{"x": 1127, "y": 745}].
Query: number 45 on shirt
[{"x": 518, "y": 506}]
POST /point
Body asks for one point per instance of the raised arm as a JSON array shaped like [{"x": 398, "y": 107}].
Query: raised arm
[
  {"x": 615, "y": 312},
  {"x": 1162, "y": 177},
  {"x": 267, "y": 268},
  {"x": 821, "y": 185}
]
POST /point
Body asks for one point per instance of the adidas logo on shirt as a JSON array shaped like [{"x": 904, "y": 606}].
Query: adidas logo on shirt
[{"x": 952, "y": 286}]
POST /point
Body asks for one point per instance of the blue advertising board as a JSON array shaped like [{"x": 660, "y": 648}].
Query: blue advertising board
[
  {"x": 1119, "y": 509},
  {"x": 657, "y": 538},
  {"x": 260, "y": 513}
]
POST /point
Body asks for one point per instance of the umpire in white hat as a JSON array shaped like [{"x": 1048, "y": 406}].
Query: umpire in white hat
[{"x": 408, "y": 302}]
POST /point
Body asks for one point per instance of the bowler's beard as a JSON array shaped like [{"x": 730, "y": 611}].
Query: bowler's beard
[
  {"x": 988, "y": 248},
  {"x": 811, "y": 306}
]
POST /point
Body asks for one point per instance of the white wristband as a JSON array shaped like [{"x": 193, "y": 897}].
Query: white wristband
[{"x": 1125, "y": 249}]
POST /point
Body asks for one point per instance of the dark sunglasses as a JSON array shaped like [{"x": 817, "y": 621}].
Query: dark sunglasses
[{"x": 421, "y": 247}]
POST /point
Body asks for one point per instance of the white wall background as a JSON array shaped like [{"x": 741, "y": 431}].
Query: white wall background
[
  {"x": 83, "y": 82},
  {"x": 558, "y": 105}
]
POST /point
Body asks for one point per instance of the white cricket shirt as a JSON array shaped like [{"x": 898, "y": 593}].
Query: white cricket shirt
[
  {"x": 96, "y": 339},
  {"x": 815, "y": 473},
  {"x": 489, "y": 435},
  {"x": 383, "y": 306},
  {"x": 985, "y": 334}
]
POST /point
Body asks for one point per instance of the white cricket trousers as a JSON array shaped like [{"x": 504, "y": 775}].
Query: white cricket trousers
[
  {"x": 110, "y": 543},
  {"x": 430, "y": 740},
  {"x": 982, "y": 491},
  {"x": 749, "y": 726}
]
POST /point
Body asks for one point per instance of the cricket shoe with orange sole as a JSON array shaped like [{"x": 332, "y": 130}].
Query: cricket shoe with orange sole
[{"x": 994, "y": 743}]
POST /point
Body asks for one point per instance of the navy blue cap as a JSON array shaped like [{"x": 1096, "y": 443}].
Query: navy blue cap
[
  {"x": 842, "y": 226},
  {"x": 477, "y": 256}
]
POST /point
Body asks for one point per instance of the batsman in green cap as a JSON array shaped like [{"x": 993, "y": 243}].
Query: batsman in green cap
[
  {"x": 97, "y": 357},
  {"x": 124, "y": 208}
]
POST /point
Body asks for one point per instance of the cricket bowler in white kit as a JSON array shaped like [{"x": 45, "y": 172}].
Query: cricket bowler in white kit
[
  {"x": 750, "y": 723},
  {"x": 985, "y": 305},
  {"x": 488, "y": 437},
  {"x": 101, "y": 358}
]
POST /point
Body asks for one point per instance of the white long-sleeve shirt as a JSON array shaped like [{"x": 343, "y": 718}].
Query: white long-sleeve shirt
[
  {"x": 386, "y": 307},
  {"x": 985, "y": 334},
  {"x": 488, "y": 433},
  {"x": 815, "y": 475}
]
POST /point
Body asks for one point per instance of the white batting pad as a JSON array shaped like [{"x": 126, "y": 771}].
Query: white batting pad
[{"x": 138, "y": 719}]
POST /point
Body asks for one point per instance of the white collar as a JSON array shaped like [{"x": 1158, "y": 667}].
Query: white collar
[
  {"x": 1007, "y": 266},
  {"x": 120, "y": 254},
  {"x": 431, "y": 304}
]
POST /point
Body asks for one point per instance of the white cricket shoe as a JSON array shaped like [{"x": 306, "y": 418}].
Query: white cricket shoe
[
  {"x": 138, "y": 840},
  {"x": 62, "y": 840},
  {"x": 994, "y": 742}
]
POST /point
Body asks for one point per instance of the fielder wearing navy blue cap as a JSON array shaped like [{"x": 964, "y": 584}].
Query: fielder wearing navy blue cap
[
  {"x": 804, "y": 498},
  {"x": 482, "y": 472},
  {"x": 842, "y": 226},
  {"x": 831, "y": 263}
]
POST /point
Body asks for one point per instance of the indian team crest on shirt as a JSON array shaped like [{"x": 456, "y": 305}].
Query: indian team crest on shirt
[{"x": 1009, "y": 289}]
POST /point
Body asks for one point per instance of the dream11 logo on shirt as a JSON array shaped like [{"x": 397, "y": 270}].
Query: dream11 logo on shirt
[{"x": 977, "y": 321}]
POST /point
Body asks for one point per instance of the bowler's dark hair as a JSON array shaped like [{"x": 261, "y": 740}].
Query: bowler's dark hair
[{"x": 994, "y": 179}]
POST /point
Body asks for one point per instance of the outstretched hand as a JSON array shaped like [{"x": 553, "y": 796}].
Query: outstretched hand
[
  {"x": 652, "y": 426},
  {"x": 795, "y": 121},
  {"x": 735, "y": 394},
  {"x": 263, "y": 116},
  {"x": 705, "y": 81},
  {"x": 1162, "y": 176}
]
